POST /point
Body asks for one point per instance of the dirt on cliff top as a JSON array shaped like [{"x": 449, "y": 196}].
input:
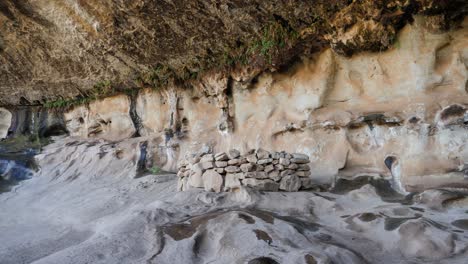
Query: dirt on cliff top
[{"x": 55, "y": 49}]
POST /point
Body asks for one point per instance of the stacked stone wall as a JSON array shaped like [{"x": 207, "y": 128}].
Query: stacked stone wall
[{"x": 260, "y": 169}]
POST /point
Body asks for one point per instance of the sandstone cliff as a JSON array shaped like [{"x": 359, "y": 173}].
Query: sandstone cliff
[
  {"x": 396, "y": 108},
  {"x": 400, "y": 114}
]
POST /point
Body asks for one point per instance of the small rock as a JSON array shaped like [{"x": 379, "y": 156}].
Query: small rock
[
  {"x": 290, "y": 183},
  {"x": 274, "y": 175},
  {"x": 275, "y": 161},
  {"x": 269, "y": 168},
  {"x": 293, "y": 166},
  {"x": 249, "y": 174},
  {"x": 233, "y": 180},
  {"x": 197, "y": 168},
  {"x": 279, "y": 167},
  {"x": 284, "y": 161},
  {"x": 234, "y": 162},
  {"x": 264, "y": 161},
  {"x": 212, "y": 181},
  {"x": 221, "y": 164},
  {"x": 243, "y": 160},
  {"x": 233, "y": 154},
  {"x": 207, "y": 165},
  {"x": 303, "y": 167},
  {"x": 207, "y": 157},
  {"x": 299, "y": 161},
  {"x": 232, "y": 169},
  {"x": 251, "y": 158},
  {"x": 222, "y": 156},
  {"x": 262, "y": 185},
  {"x": 288, "y": 156},
  {"x": 261, "y": 175},
  {"x": 303, "y": 173},
  {"x": 259, "y": 167},
  {"x": 262, "y": 154},
  {"x": 220, "y": 170},
  {"x": 247, "y": 167},
  {"x": 286, "y": 172},
  {"x": 196, "y": 180}
]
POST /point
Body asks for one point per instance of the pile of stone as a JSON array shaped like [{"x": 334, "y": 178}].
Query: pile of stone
[{"x": 259, "y": 169}]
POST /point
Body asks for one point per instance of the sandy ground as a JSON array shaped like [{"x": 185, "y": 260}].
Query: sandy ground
[{"x": 112, "y": 218}]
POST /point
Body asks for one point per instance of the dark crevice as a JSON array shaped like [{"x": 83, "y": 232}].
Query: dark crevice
[
  {"x": 389, "y": 162},
  {"x": 136, "y": 120},
  {"x": 141, "y": 165},
  {"x": 263, "y": 260},
  {"x": 24, "y": 101},
  {"x": 453, "y": 110}
]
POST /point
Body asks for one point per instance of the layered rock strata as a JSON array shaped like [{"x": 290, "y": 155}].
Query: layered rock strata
[{"x": 260, "y": 169}]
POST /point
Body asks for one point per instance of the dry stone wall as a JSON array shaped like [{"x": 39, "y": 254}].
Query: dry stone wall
[{"x": 260, "y": 169}]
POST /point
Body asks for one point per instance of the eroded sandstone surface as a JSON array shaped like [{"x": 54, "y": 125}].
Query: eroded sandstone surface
[
  {"x": 399, "y": 114},
  {"x": 109, "y": 117},
  {"x": 100, "y": 213}
]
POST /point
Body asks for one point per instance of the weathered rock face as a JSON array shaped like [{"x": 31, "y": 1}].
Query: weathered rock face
[
  {"x": 109, "y": 119},
  {"x": 400, "y": 113},
  {"x": 5, "y": 122},
  {"x": 54, "y": 49},
  {"x": 32, "y": 121}
]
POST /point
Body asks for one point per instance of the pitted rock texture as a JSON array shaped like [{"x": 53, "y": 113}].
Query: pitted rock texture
[
  {"x": 259, "y": 169},
  {"x": 109, "y": 119},
  {"x": 399, "y": 114},
  {"x": 55, "y": 49}
]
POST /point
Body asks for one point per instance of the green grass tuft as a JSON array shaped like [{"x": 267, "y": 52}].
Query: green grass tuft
[{"x": 155, "y": 170}]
